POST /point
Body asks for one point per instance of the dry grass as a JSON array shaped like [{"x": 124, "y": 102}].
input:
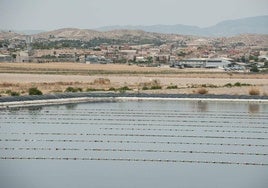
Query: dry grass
[
  {"x": 77, "y": 75},
  {"x": 102, "y": 81},
  {"x": 254, "y": 91},
  {"x": 202, "y": 91}
]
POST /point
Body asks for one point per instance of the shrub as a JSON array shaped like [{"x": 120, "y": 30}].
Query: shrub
[
  {"x": 14, "y": 93},
  {"x": 145, "y": 88},
  {"x": 73, "y": 90},
  {"x": 8, "y": 92},
  {"x": 35, "y": 91},
  {"x": 125, "y": 88},
  {"x": 172, "y": 87},
  {"x": 254, "y": 69},
  {"x": 202, "y": 91},
  {"x": 112, "y": 89},
  {"x": 102, "y": 81},
  {"x": 254, "y": 91},
  {"x": 237, "y": 84},
  {"x": 155, "y": 82},
  {"x": 93, "y": 89},
  {"x": 156, "y": 87},
  {"x": 228, "y": 85},
  {"x": 79, "y": 89}
]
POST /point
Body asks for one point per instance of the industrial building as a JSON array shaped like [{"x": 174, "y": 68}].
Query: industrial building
[{"x": 202, "y": 63}]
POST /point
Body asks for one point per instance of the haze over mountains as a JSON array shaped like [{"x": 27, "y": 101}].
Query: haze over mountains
[
  {"x": 256, "y": 25},
  {"x": 252, "y": 25}
]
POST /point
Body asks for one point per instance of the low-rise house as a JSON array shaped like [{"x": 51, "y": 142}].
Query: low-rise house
[
  {"x": 93, "y": 59},
  {"x": 23, "y": 56},
  {"x": 5, "y": 58}
]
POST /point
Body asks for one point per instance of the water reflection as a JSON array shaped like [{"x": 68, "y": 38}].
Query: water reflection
[
  {"x": 36, "y": 110},
  {"x": 254, "y": 108},
  {"x": 71, "y": 106},
  {"x": 202, "y": 106}
]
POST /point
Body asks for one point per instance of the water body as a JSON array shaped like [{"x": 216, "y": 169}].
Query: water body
[{"x": 135, "y": 144}]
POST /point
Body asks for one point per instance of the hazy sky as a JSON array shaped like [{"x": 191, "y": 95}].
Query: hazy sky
[{"x": 89, "y": 14}]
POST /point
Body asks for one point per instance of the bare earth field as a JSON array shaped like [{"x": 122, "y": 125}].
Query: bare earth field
[{"x": 56, "y": 77}]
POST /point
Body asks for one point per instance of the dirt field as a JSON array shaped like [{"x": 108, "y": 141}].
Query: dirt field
[{"x": 56, "y": 77}]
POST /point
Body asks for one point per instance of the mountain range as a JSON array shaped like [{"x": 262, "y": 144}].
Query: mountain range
[
  {"x": 249, "y": 31},
  {"x": 253, "y": 25}
]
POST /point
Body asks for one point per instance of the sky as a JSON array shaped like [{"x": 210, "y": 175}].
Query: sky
[{"x": 90, "y": 14}]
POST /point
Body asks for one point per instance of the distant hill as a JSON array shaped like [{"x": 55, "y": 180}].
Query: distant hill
[
  {"x": 157, "y": 35},
  {"x": 4, "y": 35},
  {"x": 253, "y": 25},
  {"x": 117, "y": 35},
  {"x": 30, "y": 32},
  {"x": 70, "y": 34}
]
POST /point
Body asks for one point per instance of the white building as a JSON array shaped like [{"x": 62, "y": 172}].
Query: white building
[
  {"x": 5, "y": 58},
  {"x": 23, "y": 56},
  {"x": 203, "y": 63}
]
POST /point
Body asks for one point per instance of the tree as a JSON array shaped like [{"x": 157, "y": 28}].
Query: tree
[
  {"x": 266, "y": 64},
  {"x": 35, "y": 91},
  {"x": 254, "y": 58},
  {"x": 254, "y": 68},
  {"x": 150, "y": 60},
  {"x": 243, "y": 59}
]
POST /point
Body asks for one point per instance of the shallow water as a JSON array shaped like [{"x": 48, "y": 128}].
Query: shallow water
[{"x": 135, "y": 144}]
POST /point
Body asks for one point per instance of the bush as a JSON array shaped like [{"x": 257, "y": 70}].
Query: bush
[
  {"x": 73, "y": 90},
  {"x": 254, "y": 91},
  {"x": 125, "y": 88},
  {"x": 35, "y": 91},
  {"x": 254, "y": 69},
  {"x": 202, "y": 91},
  {"x": 112, "y": 89},
  {"x": 93, "y": 89},
  {"x": 102, "y": 81},
  {"x": 14, "y": 93},
  {"x": 237, "y": 84},
  {"x": 228, "y": 85},
  {"x": 172, "y": 87},
  {"x": 145, "y": 88},
  {"x": 156, "y": 87}
]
